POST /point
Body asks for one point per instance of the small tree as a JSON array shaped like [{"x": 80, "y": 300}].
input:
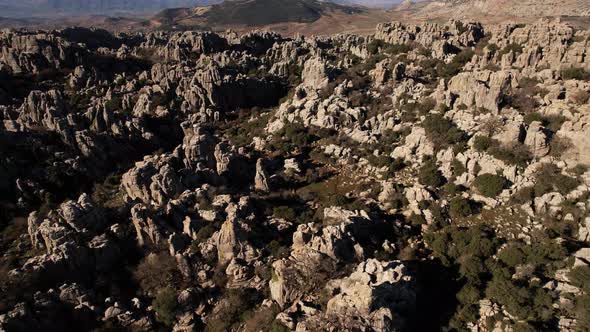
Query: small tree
[
  {"x": 165, "y": 306},
  {"x": 460, "y": 207},
  {"x": 430, "y": 175}
]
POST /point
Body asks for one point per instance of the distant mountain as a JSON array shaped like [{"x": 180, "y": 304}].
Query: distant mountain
[
  {"x": 253, "y": 13},
  {"x": 26, "y": 8},
  {"x": 369, "y": 3},
  {"x": 23, "y": 8}
]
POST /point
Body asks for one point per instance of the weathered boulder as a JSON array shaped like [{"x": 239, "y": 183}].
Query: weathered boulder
[
  {"x": 536, "y": 140},
  {"x": 315, "y": 73},
  {"x": 152, "y": 180},
  {"x": 232, "y": 239},
  {"x": 483, "y": 89},
  {"x": 373, "y": 296},
  {"x": 261, "y": 178},
  {"x": 147, "y": 228}
]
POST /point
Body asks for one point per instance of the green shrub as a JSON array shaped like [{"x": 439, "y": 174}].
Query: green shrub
[
  {"x": 458, "y": 167},
  {"x": 512, "y": 255},
  {"x": 524, "y": 195},
  {"x": 442, "y": 131},
  {"x": 549, "y": 178},
  {"x": 205, "y": 233},
  {"x": 396, "y": 165},
  {"x": 263, "y": 320},
  {"x": 456, "y": 65},
  {"x": 374, "y": 46},
  {"x": 417, "y": 219},
  {"x": 233, "y": 307},
  {"x": 490, "y": 185},
  {"x": 580, "y": 277},
  {"x": 515, "y": 154},
  {"x": 483, "y": 143},
  {"x": 552, "y": 122},
  {"x": 514, "y": 48},
  {"x": 284, "y": 212},
  {"x": 575, "y": 74},
  {"x": 582, "y": 312},
  {"x": 559, "y": 145},
  {"x": 277, "y": 250},
  {"x": 429, "y": 175},
  {"x": 528, "y": 303},
  {"x": 396, "y": 49},
  {"x": 522, "y": 101},
  {"x": 460, "y": 207},
  {"x": 580, "y": 169},
  {"x": 165, "y": 306},
  {"x": 533, "y": 116},
  {"x": 156, "y": 271}
]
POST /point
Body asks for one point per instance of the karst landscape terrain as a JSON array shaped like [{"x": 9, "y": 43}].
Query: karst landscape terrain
[{"x": 294, "y": 165}]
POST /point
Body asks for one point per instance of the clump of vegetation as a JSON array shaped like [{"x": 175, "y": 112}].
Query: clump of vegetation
[
  {"x": 580, "y": 97},
  {"x": 393, "y": 164},
  {"x": 515, "y": 48},
  {"x": 246, "y": 129},
  {"x": 485, "y": 270},
  {"x": 458, "y": 167},
  {"x": 292, "y": 138},
  {"x": 429, "y": 175},
  {"x": 580, "y": 277},
  {"x": 483, "y": 143},
  {"x": 443, "y": 132},
  {"x": 515, "y": 154},
  {"x": 549, "y": 178},
  {"x": 263, "y": 320},
  {"x": 233, "y": 308},
  {"x": 575, "y": 74},
  {"x": 559, "y": 145},
  {"x": 460, "y": 207},
  {"x": 490, "y": 185},
  {"x": 204, "y": 233},
  {"x": 284, "y": 212},
  {"x": 165, "y": 306},
  {"x": 457, "y": 64},
  {"x": 552, "y": 122},
  {"x": 156, "y": 272}
]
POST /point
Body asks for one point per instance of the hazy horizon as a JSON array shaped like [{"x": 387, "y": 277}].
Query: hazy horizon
[{"x": 57, "y": 8}]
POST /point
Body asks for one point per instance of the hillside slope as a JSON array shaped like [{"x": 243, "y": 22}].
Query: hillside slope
[
  {"x": 252, "y": 13},
  {"x": 502, "y": 9}
]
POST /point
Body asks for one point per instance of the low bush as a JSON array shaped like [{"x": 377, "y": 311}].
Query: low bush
[
  {"x": 575, "y": 74},
  {"x": 580, "y": 97},
  {"x": 483, "y": 143},
  {"x": 514, "y": 48},
  {"x": 429, "y": 175},
  {"x": 157, "y": 271},
  {"x": 284, "y": 212},
  {"x": 549, "y": 178},
  {"x": 458, "y": 167},
  {"x": 559, "y": 145},
  {"x": 232, "y": 308},
  {"x": 165, "y": 306},
  {"x": 205, "y": 233},
  {"x": 460, "y": 207},
  {"x": 515, "y": 154},
  {"x": 442, "y": 131},
  {"x": 490, "y": 185}
]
